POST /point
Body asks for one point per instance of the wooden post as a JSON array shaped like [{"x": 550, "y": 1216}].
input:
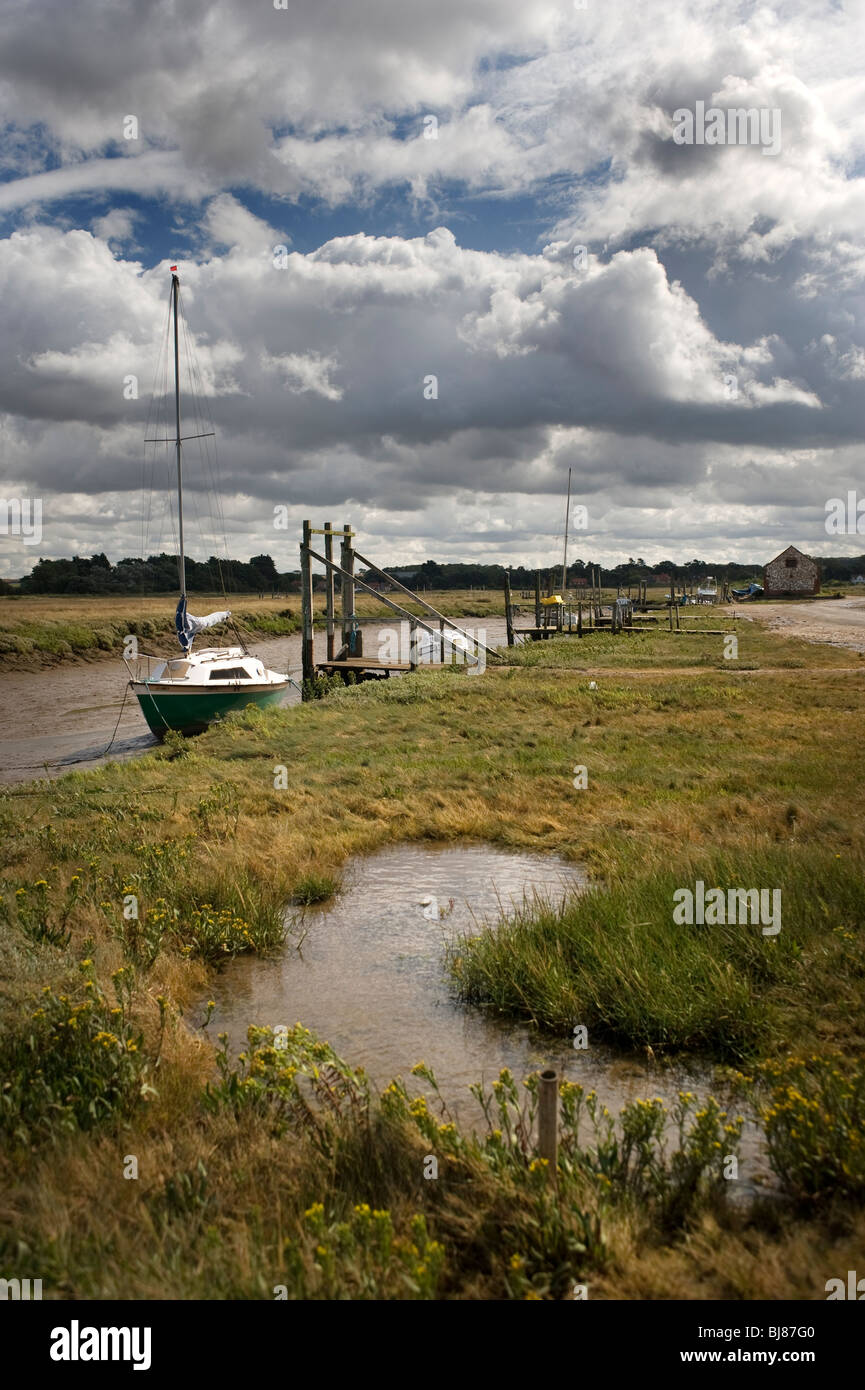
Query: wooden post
[
  {"x": 442, "y": 641},
  {"x": 307, "y": 651},
  {"x": 537, "y": 598},
  {"x": 328, "y": 550},
  {"x": 509, "y": 613},
  {"x": 548, "y": 1121},
  {"x": 671, "y": 614},
  {"x": 678, "y": 624},
  {"x": 580, "y": 618},
  {"x": 346, "y": 560},
  {"x": 412, "y": 645}
]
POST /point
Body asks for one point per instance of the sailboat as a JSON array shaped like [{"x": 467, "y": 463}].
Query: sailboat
[{"x": 189, "y": 692}]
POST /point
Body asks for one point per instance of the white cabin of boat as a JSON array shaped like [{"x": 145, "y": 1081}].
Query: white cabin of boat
[{"x": 222, "y": 665}]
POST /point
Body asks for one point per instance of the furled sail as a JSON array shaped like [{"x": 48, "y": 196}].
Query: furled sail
[{"x": 187, "y": 625}]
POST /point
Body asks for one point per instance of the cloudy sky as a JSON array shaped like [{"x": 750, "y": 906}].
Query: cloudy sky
[{"x": 362, "y": 195}]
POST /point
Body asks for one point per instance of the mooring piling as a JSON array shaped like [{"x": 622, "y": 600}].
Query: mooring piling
[
  {"x": 307, "y": 652},
  {"x": 329, "y": 591},
  {"x": 548, "y": 1120},
  {"x": 349, "y": 661},
  {"x": 509, "y": 611},
  {"x": 346, "y": 560}
]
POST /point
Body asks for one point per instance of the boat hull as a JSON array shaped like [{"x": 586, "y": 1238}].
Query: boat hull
[{"x": 192, "y": 710}]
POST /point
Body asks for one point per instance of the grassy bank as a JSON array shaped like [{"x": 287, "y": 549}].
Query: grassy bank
[
  {"x": 615, "y": 960},
  {"x": 654, "y": 647},
  {"x": 41, "y": 629},
  {"x": 750, "y": 778}
]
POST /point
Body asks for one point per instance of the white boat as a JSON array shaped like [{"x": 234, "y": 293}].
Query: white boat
[{"x": 189, "y": 692}]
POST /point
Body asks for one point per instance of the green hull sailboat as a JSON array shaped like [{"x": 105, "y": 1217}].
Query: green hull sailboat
[
  {"x": 188, "y": 693},
  {"x": 215, "y": 683}
]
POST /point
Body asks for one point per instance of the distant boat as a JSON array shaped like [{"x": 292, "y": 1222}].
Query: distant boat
[{"x": 189, "y": 692}]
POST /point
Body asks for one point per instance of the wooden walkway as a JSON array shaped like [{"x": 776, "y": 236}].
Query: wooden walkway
[{"x": 371, "y": 663}]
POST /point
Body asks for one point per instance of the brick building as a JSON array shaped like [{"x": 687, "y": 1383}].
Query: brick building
[{"x": 791, "y": 575}]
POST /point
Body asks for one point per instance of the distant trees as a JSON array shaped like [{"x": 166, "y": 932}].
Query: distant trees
[
  {"x": 158, "y": 575},
  {"x": 264, "y": 569},
  {"x": 155, "y": 575}
]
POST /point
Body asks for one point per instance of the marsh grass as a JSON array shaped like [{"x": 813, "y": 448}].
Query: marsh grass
[
  {"x": 287, "y": 1178},
  {"x": 614, "y": 960},
  {"x": 314, "y": 887},
  {"x": 36, "y": 628},
  {"x": 751, "y": 778},
  {"x": 657, "y": 647},
  {"x": 47, "y": 628}
]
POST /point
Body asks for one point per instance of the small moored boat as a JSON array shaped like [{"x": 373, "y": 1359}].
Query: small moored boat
[{"x": 189, "y": 692}]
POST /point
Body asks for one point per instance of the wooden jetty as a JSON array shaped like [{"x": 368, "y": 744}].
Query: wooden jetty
[
  {"x": 556, "y": 616},
  {"x": 350, "y": 660}
]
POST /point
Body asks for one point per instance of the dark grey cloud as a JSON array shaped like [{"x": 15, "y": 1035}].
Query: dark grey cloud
[{"x": 705, "y": 266}]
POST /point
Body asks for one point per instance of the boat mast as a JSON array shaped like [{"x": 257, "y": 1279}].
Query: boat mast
[
  {"x": 567, "y": 515},
  {"x": 181, "y": 563}
]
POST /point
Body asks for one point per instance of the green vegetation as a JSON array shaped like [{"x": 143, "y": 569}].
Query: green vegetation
[
  {"x": 155, "y": 575},
  {"x": 815, "y": 1126},
  {"x": 38, "y": 629},
  {"x": 314, "y": 888},
  {"x": 258, "y": 1173},
  {"x": 73, "y": 1066},
  {"x": 654, "y": 648},
  {"x": 34, "y": 630},
  {"x": 614, "y": 960}
]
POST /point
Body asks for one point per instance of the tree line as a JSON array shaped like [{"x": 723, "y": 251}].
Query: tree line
[
  {"x": 155, "y": 575},
  {"x": 158, "y": 575}
]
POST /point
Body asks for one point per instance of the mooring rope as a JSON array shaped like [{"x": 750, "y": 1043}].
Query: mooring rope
[{"x": 90, "y": 757}]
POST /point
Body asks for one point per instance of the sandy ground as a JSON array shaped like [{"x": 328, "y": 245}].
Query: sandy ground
[{"x": 840, "y": 622}]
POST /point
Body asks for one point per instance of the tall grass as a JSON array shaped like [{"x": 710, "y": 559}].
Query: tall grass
[
  {"x": 46, "y": 628},
  {"x": 614, "y": 960}
]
